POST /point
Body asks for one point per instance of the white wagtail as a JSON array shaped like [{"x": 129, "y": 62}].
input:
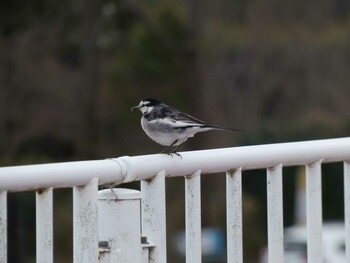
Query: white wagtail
[{"x": 168, "y": 126}]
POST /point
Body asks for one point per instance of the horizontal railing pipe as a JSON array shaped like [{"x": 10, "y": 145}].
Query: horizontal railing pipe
[
  {"x": 128, "y": 169},
  {"x": 245, "y": 157},
  {"x": 60, "y": 175}
]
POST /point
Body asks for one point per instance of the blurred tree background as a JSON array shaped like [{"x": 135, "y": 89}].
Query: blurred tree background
[{"x": 71, "y": 71}]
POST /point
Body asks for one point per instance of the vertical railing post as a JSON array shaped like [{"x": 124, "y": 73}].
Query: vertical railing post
[
  {"x": 44, "y": 226},
  {"x": 153, "y": 216},
  {"x": 314, "y": 213},
  {"x": 85, "y": 223},
  {"x": 234, "y": 216},
  {"x": 119, "y": 224},
  {"x": 193, "y": 218},
  {"x": 275, "y": 214},
  {"x": 347, "y": 209},
  {"x": 3, "y": 226}
]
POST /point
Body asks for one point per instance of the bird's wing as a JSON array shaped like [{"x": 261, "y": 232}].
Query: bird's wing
[
  {"x": 188, "y": 119},
  {"x": 180, "y": 119},
  {"x": 177, "y": 119}
]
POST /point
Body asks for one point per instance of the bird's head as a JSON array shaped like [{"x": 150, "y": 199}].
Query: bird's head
[{"x": 147, "y": 105}]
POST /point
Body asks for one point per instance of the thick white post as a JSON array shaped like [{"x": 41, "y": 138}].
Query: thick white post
[
  {"x": 193, "y": 218},
  {"x": 85, "y": 223},
  {"x": 119, "y": 224},
  {"x": 234, "y": 216},
  {"x": 275, "y": 214},
  {"x": 347, "y": 208},
  {"x": 3, "y": 226},
  {"x": 153, "y": 216},
  {"x": 44, "y": 226},
  {"x": 314, "y": 213}
]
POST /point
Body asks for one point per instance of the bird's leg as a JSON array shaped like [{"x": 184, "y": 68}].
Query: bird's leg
[
  {"x": 177, "y": 147},
  {"x": 166, "y": 150},
  {"x": 174, "y": 151},
  {"x": 168, "y": 147}
]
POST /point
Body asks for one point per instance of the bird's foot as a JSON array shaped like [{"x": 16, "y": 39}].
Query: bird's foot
[
  {"x": 171, "y": 153},
  {"x": 175, "y": 153},
  {"x": 170, "y": 150}
]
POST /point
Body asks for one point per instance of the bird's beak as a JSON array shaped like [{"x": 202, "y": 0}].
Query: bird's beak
[{"x": 136, "y": 107}]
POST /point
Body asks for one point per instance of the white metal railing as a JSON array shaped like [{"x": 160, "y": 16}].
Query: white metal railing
[{"x": 152, "y": 170}]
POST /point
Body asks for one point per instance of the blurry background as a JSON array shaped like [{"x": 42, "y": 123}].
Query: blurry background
[{"x": 71, "y": 70}]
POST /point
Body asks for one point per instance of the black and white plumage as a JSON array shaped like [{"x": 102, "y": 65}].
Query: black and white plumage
[{"x": 168, "y": 126}]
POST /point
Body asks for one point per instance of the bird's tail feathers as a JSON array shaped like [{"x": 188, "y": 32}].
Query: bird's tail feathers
[{"x": 213, "y": 127}]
